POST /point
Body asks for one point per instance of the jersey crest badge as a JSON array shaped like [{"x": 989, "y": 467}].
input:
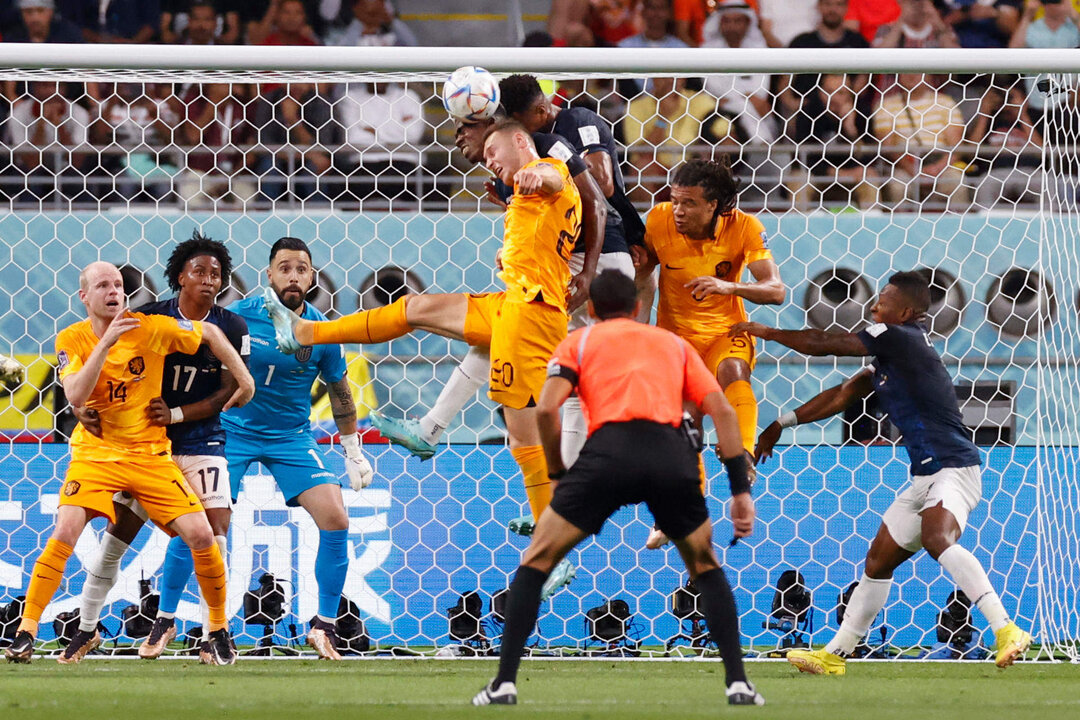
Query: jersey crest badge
[
  {"x": 723, "y": 269},
  {"x": 71, "y": 487},
  {"x": 303, "y": 354},
  {"x": 137, "y": 366},
  {"x": 185, "y": 324},
  {"x": 62, "y": 358}
]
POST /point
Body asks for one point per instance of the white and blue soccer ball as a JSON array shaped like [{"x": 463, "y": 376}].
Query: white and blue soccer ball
[{"x": 471, "y": 93}]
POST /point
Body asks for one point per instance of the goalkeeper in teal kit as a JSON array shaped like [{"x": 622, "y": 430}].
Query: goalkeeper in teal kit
[{"x": 275, "y": 429}]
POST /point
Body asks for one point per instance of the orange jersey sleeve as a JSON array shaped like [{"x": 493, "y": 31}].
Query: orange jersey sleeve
[
  {"x": 539, "y": 236},
  {"x": 129, "y": 380},
  {"x": 739, "y": 240}
]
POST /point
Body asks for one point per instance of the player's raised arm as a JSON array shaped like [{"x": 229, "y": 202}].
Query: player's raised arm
[
  {"x": 541, "y": 178},
  {"x": 593, "y": 218},
  {"x": 808, "y": 342},
  {"x": 825, "y": 404},
  {"x": 230, "y": 358}
]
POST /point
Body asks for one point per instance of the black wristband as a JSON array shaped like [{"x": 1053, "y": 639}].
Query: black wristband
[
  {"x": 738, "y": 474},
  {"x": 556, "y": 475}
]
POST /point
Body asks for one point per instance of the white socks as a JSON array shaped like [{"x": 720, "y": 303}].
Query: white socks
[
  {"x": 468, "y": 377},
  {"x": 866, "y": 602},
  {"x": 100, "y": 579},
  {"x": 970, "y": 577},
  {"x": 574, "y": 430}
]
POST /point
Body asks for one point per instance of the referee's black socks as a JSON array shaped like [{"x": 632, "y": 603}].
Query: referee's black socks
[
  {"x": 522, "y": 607},
  {"x": 718, "y": 607}
]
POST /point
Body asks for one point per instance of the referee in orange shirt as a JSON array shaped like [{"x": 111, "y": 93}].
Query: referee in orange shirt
[{"x": 632, "y": 380}]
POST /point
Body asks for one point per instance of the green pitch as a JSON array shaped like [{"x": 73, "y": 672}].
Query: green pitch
[{"x": 440, "y": 690}]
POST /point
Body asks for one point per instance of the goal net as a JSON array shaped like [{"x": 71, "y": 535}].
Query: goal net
[{"x": 866, "y": 166}]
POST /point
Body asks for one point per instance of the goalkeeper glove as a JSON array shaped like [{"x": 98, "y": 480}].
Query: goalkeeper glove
[{"x": 356, "y": 465}]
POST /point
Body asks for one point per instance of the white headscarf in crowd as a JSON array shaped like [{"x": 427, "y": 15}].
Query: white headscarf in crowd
[{"x": 711, "y": 29}]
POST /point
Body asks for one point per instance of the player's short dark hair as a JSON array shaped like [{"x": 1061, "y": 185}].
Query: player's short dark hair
[
  {"x": 714, "y": 177},
  {"x": 289, "y": 243},
  {"x": 914, "y": 287},
  {"x": 508, "y": 125},
  {"x": 198, "y": 245},
  {"x": 613, "y": 294},
  {"x": 519, "y": 92}
]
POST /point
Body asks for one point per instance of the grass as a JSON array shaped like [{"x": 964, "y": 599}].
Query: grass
[{"x": 440, "y": 689}]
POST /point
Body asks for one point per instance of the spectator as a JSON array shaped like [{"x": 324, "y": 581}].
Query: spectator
[
  {"x": 138, "y": 120},
  {"x": 260, "y": 19},
  {"x": 656, "y": 28},
  {"x": 42, "y": 24},
  {"x": 829, "y": 33},
  {"x": 216, "y": 127},
  {"x": 785, "y": 19},
  {"x": 202, "y": 26},
  {"x": 690, "y": 18},
  {"x": 383, "y": 127},
  {"x": 291, "y": 26},
  {"x": 866, "y": 16},
  {"x": 122, "y": 21},
  {"x": 661, "y": 129},
  {"x": 743, "y": 97},
  {"x": 178, "y": 16},
  {"x": 1001, "y": 133},
  {"x": 982, "y": 23},
  {"x": 919, "y": 26},
  {"x": 836, "y": 132},
  {"x": 1058, "y": 28},
  {"x": 920, "y": 129},
  {"x": 48, "y": 137},
  {"x": 374, "y": 24}
]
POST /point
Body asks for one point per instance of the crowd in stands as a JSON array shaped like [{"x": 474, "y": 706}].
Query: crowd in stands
[{"x": 882, "y": 140}]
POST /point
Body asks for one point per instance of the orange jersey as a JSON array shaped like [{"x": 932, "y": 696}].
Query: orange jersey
[
  {"x": 624, "y": 370},
  {"x": 739, "y": 240},
  {"x": 540, "y": 234},
  {"x": 129, "y": 380}
]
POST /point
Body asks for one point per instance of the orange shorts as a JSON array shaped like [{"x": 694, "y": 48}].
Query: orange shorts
[
  {"x": 155, "y": 481},
  {"x": 522, "y": 337},
  {"x": 714, "y": 350}
]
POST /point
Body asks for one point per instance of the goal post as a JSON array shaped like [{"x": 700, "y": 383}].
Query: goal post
[{"x": 972, "y": 179}]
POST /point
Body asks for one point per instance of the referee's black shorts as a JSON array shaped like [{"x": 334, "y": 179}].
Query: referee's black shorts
[{"x": 633, "y": 462}]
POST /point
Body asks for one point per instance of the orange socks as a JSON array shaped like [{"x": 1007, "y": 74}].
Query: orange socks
[
  {"x": 537, "y": 483},
  {"x": 210, "y": 572},
  {"x": 741, "y": 397},
  {"x": 365, "y": 327},
  {"x": 48, "y": 571}
]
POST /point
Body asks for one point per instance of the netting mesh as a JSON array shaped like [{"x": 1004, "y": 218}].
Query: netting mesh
[{"x": 971, "y": 179}]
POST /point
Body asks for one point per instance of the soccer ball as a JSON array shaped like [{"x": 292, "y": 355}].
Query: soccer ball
[{"x": 471, "y": 93}]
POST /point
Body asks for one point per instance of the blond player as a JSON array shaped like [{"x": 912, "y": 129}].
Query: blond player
[
  {"x": 522, "y": 325},
  {"x": 112, "y": 362}
]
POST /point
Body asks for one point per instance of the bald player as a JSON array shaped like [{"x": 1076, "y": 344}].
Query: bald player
[{"x": 113, "y": 362}]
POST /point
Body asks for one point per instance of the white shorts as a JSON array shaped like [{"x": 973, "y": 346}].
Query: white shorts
[
  {"x": 208, "y": 476},
  {"x": 620, "y": 261},
  {"x": 958, "y": 490}
]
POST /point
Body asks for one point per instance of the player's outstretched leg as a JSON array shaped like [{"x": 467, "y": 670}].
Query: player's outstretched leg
[
  {"x": 365, "y": 327},
  {"x": 721, "y": 615},
  {"x": 421, "y": 436}
]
